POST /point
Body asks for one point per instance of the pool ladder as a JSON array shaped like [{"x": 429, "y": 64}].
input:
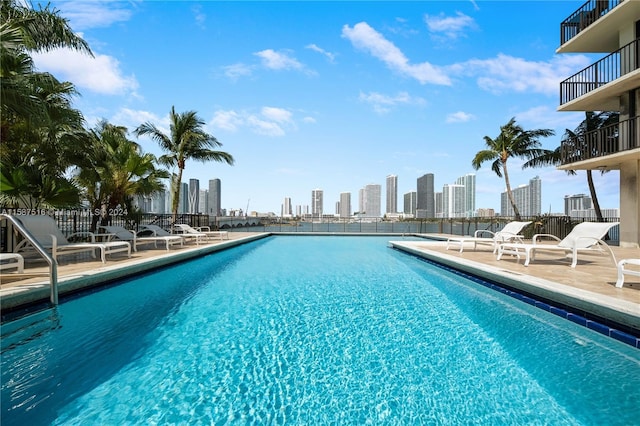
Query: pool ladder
[{"x": 53, "y": 265}]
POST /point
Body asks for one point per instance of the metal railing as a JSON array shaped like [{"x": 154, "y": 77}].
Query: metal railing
[
  {"x": 53, "y": 265},
  {"x": 586, "y": 15},
  {"x": 557, "y": 225},
  {"x": 610, "y": 68},
  {"x": 617, "y": 137}
]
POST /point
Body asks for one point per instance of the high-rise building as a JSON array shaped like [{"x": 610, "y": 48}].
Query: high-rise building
[
  {"x": 287, "y": 210},
  {"x": 392, "y": 194},
  {"x": 194, "y": 196},
  {"x": 453, "y": 200},
  {"x": 613, "y": 28},
  {"x": 536, "y": 196},
  {"x": 439, "y": 205},
  {"x": 410, "y": 199},
  {"x": 426, "y": 195},
  {"x": 486, "y": 213},
  {"x": 371, "y": 197},
  {"x": 203, "y": 201},
  {"x": 528, "y": 199},
  {"x": 183, "y": 199},
  {"x": 214, "y": 200},
  {"x": 158, "y": 202},
  {"x": 345, "y": 205},
  {"x": 576, "y": 202},
  {"x": 469, "y": 182},
  {"x": 317, "y": 203}
]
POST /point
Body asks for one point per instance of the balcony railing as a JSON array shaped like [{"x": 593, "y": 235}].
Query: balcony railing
[
  {"x": 588, "y": 13},
  {"x": 605, "y": 141},
  {"x": 606, "y": 70}
]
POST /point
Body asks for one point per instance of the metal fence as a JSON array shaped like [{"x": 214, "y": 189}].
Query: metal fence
[
  {"x": 83, "y": 220},
  {"x": 559, "y": 226}
]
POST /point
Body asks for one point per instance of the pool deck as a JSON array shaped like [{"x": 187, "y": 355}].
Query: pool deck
[{"x": 590, "y": 287}]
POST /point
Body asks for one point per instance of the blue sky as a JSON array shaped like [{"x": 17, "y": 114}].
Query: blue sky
[{"x": 333, "y": 95}]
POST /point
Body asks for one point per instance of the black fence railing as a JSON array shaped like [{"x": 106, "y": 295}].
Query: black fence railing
[
  {"x": 72, "y": 221},
  {"x": 610, "y": 68},
  {"x": 559, "y": 226},
  {"x": 85, "y": 220},
  {"x": 586, "y": 15},
  {"x": 617, "y": 137}
]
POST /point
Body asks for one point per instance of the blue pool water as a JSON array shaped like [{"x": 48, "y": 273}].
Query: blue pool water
[{"x": 311, "y": 330}]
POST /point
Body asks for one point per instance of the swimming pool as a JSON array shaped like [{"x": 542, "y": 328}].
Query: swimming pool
[{"x": 311, "y": 330}]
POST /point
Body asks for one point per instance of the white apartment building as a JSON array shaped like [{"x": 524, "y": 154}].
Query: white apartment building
[
  {"x": 317, "y": 203},
  {"x": 392, "y": 194},
  {"x": 610, "y": 28}
]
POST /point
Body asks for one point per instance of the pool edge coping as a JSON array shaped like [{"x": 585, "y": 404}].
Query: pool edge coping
[{"x": 617, "y": 311}]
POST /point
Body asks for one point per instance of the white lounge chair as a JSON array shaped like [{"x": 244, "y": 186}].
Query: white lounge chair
[
  {"x": 585, "y": 236},
  {"x": 46, "y": 232},
  {"x": 123, "y": 234},
  {"x": 186, "y": 229},
  {"x": 623, "y": 270},
  {"x": 157, "y": 230},
  {"x": 509, "y": 233},
  {"x": 11, "y": 261}
]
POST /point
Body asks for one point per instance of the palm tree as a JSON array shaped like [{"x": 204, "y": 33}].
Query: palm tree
[
  {"x": 592, "y": 121},
  {"x": 186, "y": 141},
  {"x": 513, "y": 141},
  {"x": 117, "y": 170},
  {"x": 41, "y": 134},
  {"x": 36, "y": 156},
  {"x": 23, "y": 30}
]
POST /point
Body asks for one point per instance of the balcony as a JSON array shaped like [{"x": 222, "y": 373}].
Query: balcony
[
  {"x": 588, "y": 13},
  {"x": 613, "y": 66},
  {"x": 613, "y": 139}
]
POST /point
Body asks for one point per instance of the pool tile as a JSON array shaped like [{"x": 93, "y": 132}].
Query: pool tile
[
  {"x": 624, "y": 337},
  {"x": 596, "y": 326},
  {"x": 577, "y": 319},
  {"x": 542, "y": 305},
  {"x": 557, "y": 311}
]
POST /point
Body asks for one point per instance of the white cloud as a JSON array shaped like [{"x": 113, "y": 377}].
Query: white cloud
[
  {"x": 134, "y": 118},
  {"x": 330, "y": 56},
  {"x": 309, "y": 120},
  {"x": 100, "y": 74},
  {"x": 264, "y": 127},
  {"x": 94, "y": 14},
  {"x": 382, "y": 104},
  {"x": 548, "y": 118},
  {"x": 226, "y": 120},
  {"x": 363, "y": 37},
  {"x": 279, "y": 115},
  {"x": 450, "y": 26},
  {"x": 278, "y": 60},
  {"x": 236, "y": 71},
  {"x": 459, "y": 117},
  {"x": 270, "y": 121},
  {"x": 506, "y": 73},
  {"x": 199, "y": 16},
  {"x": 501, "y": 74}
]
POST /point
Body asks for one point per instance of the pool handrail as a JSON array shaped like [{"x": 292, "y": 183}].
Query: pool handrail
[{"x": 53, "y": 264}]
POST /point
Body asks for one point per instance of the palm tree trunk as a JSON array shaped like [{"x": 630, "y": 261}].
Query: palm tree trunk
[
  {"x": 594, "y": 197},
  {"x": 176, "y": 195},
  {"x": 509, "y": 193}
]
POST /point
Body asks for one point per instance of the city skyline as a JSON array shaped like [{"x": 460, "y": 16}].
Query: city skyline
[
  {"x": 453, "y": 201},
  {"x": 307, "y": 94}
]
